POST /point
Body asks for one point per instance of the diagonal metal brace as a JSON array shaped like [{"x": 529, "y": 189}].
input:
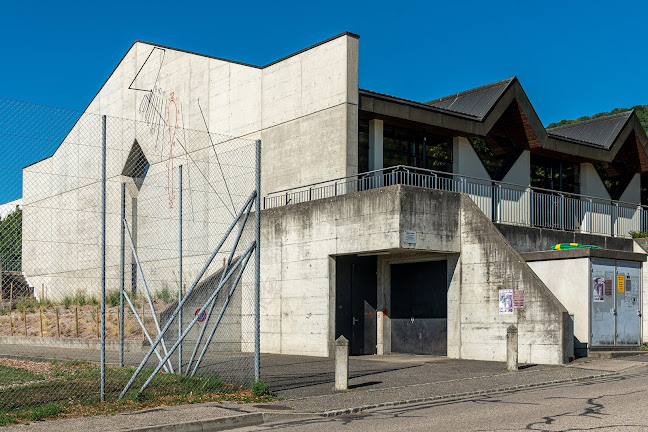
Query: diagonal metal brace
[
  {"x": 188, "y": 294},
  {"x": 146, "y": 290},
  {"x": 244, "y": 260}
]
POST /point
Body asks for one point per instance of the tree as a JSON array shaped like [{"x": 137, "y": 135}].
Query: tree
[{"x": 11, "y": 241}]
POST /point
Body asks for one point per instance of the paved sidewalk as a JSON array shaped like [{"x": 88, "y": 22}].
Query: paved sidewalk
[{"x": 305, "y": 385}]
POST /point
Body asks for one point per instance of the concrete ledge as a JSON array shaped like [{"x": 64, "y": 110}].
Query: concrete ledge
[
  {"x": 93, "y": 344},
  {"x": 215, "y": 424},
  {"x": 583, "y": 253}
]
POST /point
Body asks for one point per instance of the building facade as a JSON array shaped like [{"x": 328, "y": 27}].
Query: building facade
[{"x": 398, "y": 224}]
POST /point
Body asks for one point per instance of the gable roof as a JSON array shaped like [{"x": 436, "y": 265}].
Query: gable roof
[
  {"x": 476, "y": 111},
  {"x": 476, "y": 102},
  {"x": 600, "y": 132}
]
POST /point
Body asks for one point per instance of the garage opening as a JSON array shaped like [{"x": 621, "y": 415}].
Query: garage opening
[{"x": 419, "y": 311}]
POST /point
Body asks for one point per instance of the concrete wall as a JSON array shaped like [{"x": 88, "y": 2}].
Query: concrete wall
[
  {"x": 298, "y": 276},
  {"x": 641, "y": 246},
  {"x": 629, "y": 217},
  {"x": 532, "y": 239},
  {"x": 514, "y": 202},
  {"x": 489, "y": 263},
  {"x": 307, "y": 101},
  {"x": 298, "y": 272},
  {"x": 569, "y": 281},
  {"x": 596, "y": 213},
  {"x": 465, "y": 162}
]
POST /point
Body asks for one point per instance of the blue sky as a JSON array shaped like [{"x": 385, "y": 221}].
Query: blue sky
[{"x": 573, "y": 58}]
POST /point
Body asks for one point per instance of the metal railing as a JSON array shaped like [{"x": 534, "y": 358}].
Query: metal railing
[{"x": 503, "y": 202}]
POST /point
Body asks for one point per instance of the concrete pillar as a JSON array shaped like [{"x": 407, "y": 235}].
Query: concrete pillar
[
  {"x": 341, "y": 363},
  {"x": 375, "y": 145},
  {"x": 512, "y": 348}
]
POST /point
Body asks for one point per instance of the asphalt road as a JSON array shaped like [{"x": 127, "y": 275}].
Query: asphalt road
[{"x": 615, "y": 403}]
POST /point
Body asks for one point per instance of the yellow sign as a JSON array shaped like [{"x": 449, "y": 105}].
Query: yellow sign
[{"x": 620, "y": 284}]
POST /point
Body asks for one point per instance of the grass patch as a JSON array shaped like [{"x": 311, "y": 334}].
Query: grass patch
[
  {"x": 12, "y": 375},
  {"x": 72, "y": 391},
  {"x": 41, "y": 412}
]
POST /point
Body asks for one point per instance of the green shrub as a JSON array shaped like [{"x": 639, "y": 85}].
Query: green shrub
[
  {"x": 260, "y": 388},
  {"x": 639, "y": 234},
  {"x": 112, "y": 298},
  {"x": 165, "y": 294}
]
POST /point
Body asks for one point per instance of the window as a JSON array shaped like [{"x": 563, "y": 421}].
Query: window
[
  {"x": 555, "y": 174},
  {"x": 363, "y": 145}
]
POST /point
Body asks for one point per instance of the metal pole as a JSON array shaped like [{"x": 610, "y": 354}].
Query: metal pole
[
  {"x": 184, "y": 299},
  {"x": 211, "y": 298},
  {"x": 211, "y": 307},
  {"x": 244, "y": 259},
  {"x": 146, "y": 290},
  {"x": 257, "y": 267},
  {"x": 103, "y": 259},
  {"x": 121, "y": 277},
  {"x": 180, "y": 265},
  {"x": 220, "y": 316}
]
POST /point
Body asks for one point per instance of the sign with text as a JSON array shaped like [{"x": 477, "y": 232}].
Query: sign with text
[
  {"x": 409, "y": 237},
  {"x": 620, "y": 283},
  {"x": 518, "y": 299}
]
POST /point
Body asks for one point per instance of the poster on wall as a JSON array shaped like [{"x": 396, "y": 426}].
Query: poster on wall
[
  {"x": 505, "y": 301},
  {"x": 599, "y": 289},
  {"x": 608, "y": 283},
  {"x": 518, "y": 299}
]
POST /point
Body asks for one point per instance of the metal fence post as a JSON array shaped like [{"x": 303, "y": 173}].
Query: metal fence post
[
  {"x": 180, "y": 265},
  {"x": 121, "y": 276},
  {"x": 257, "y": 267},
  {"x": 103, "y": 259}
]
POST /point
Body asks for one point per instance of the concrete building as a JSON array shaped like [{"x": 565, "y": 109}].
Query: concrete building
[{"x": 396, "y": 223}]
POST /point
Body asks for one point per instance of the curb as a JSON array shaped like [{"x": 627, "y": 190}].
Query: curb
[
  {"x": 343, "y": 411},
  {"x": 215, "y": 424},
  {"x": 74, "y": 343}
]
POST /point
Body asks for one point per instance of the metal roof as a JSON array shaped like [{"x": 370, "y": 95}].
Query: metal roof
[
  {"x": 599, "y": 132},
  {"x": 475, "y": 102}
]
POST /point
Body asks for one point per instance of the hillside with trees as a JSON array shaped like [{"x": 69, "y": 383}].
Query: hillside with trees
[{"x": 641, "y": 110}]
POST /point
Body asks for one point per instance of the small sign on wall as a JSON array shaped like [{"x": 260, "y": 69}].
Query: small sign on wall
[
  {"x": 620, "y": 284},
  {"x": 409, "y": 237},
  {"x": 505, "y": 301},
  {"x": 518, "y": 299}
]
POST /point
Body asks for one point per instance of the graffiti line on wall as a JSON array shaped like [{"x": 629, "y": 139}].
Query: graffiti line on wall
[
  {"x": 216, "y": 154},
  {"x": 172, "y": 126},
  {"x": 164, "y": 116}
]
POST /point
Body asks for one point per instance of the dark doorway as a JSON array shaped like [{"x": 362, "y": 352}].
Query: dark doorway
[
  {"x": 355, "y": 302},
  {"x": 419, "y": 310}
]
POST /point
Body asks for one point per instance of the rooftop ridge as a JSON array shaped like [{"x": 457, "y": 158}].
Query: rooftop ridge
[
  {"x": 472, "y": 90},
  {"x": 346, "y": 33},
  {"x": 594, "y": 120}
]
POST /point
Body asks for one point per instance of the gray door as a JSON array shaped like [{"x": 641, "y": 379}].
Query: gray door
[
  {"x": 602, "y": 288},
  {"x": 628, "y": 292}
]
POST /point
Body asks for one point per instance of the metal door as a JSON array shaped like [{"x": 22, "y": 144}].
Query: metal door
[
  {"x": 628, "y": 312},
  {"x": 602, "y": 288}
]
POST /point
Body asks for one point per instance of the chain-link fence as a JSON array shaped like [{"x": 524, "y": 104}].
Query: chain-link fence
[{"x": 179, "y": 272}]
